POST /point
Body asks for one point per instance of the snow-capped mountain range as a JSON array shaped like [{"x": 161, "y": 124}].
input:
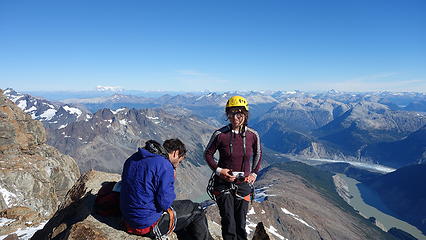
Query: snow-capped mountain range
[
  {"x": 331, "y": 125},
  {"x": 53, "y": 113}
]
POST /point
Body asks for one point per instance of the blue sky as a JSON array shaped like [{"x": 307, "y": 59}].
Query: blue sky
[{"x": 213, "y": 45}]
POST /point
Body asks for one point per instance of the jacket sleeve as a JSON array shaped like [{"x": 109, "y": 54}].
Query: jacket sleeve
[
  {"x": 210, "y": 151},
  {"x": 165, "y": 192},
  {"x": 257, "y": 153}
]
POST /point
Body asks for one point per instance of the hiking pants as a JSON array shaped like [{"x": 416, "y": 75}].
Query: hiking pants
[
  {"x": 191, "y": 221},
  {"x": 233, "y": 211}
]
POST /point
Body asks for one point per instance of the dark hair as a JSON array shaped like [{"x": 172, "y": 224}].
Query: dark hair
[
  {"x": 175, "y": 144},
  {"x": 243, "y": 110}
]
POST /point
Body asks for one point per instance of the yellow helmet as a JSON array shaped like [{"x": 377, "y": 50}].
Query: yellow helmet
[{"x": 237, "y": 101}]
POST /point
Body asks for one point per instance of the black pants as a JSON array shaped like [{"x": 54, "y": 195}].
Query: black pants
[
  {"x": 191, "y": 222},
  {"x": 233, "y": 210}
]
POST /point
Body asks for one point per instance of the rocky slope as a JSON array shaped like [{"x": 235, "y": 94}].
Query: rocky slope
[
  {"x": 404, "y": 193},
  {"x": 34, "y": 177},
  {"x": 410, "y": 150},
  {"x": 302, "y": 203},
  {"x": 303, "y": 114},
  {"x": 369, "y": 122}
]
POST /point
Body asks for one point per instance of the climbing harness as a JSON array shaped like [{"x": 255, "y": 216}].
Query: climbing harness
[{"x": 233, "y": 189}]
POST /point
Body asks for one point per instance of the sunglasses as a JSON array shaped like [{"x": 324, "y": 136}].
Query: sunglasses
[{"x": 237, "y": 114}]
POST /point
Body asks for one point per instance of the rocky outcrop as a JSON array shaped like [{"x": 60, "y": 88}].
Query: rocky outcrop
[{"x": 33, "y": 175}]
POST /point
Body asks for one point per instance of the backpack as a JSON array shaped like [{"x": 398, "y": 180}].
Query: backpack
[{"x": 107, "y": 202}]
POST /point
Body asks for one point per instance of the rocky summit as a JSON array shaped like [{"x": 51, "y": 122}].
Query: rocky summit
[
  {"x": 76, "y": 219},
  {"x": 287, "y": 206},
  {"x": 34, "y": 177}
]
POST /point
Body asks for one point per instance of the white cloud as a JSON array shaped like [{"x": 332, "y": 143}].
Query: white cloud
[{"x": 109, "y": 88}]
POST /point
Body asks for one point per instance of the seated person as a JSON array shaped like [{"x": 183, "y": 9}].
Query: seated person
[{"x": 147, "y": 198}]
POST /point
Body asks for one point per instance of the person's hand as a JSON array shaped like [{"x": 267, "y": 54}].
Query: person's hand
[
  {"x": 251, "y": 178},
  {"x": 224, "y": 173}
]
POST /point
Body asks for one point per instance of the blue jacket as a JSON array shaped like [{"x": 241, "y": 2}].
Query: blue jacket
[{"x": 147, "y": 188}]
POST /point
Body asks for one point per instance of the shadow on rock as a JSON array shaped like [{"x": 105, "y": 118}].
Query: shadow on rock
[{"x": 76, "y": 216}]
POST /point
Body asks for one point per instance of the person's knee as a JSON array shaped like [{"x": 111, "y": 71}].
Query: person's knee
[{"x": 188, "y": 207}]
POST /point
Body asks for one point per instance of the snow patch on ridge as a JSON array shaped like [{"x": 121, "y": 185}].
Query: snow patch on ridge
[
  {"x": 16, "y": 98},
  {"x": 72, "y": 110},
  {"x": 118, "y": 110},
  {"x": 22, "y": 104},
  {"x": 273, "y": 230},
  {"x": 32, "y": 108},
  {"x": 296, "y": 217},
  {"x": 7, "y": 196},
  {"x": 250, "y": 225},
  {"x": 48, "y": 114},
  {"x": 251, "y": 211},
  {"x": 154, "y": 119},
  {"x": 4, "y": 221},
  {"x": 25, "y": 233}
]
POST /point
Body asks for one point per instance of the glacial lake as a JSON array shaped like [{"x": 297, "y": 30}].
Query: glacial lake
[{"x": 387, "y": 221}]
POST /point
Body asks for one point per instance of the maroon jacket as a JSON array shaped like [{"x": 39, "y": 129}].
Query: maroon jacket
[{"x": 224, "y": 140}]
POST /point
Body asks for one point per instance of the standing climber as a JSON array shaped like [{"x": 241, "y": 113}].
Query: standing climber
[{"x": 239, "y": 161}]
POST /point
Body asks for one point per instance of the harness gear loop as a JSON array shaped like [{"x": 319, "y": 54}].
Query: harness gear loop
[
  {"x": 173, "y": 219},
  {"x": 172, "y": 225}
]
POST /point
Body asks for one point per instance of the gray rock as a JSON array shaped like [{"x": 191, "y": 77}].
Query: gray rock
[
  {"x": 260, "y": 233},
  {"x": 33, "y": 175},
  {"x": 75, "y": 218}
]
